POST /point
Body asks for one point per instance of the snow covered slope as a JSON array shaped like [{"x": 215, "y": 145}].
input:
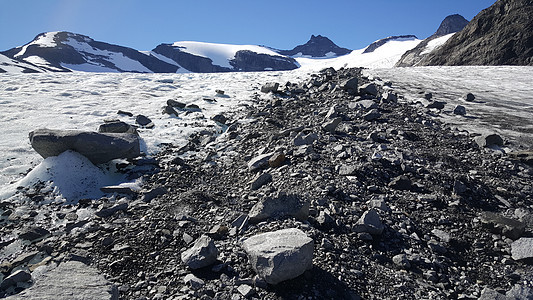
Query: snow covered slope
[
  {"x": 65, "y": 51},
  {"x": 210, "y": 57},
  {"x": 384, "y": 56},
  {"x": 8, "y": 65}
]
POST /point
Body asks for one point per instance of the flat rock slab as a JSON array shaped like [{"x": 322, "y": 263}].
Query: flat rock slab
[
  {"x": 97, "y": 147},
  {"x": 522, "y": 249},
  {"x": 70, "y": 281},
  {"x": 280, "y": 255}
]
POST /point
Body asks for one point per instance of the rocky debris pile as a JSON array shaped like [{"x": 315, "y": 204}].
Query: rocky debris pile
[{"x": 380, "y": 199}]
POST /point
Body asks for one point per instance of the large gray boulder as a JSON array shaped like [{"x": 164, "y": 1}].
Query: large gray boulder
[
  {"x": 70, "y": 280},
  {"x": 97, "y": 147},
  {"x": 280, "y": 255}
]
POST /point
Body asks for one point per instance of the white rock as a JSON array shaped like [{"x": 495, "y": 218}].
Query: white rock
[
  {"x": 280, "y": 255},
  {"x": 522, "y": 249}
]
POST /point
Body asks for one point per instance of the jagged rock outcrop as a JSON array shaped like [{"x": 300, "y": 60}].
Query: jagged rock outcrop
[
  {"x": 66, "y": 51},
  {"x": 317, "y": 46},
  {"x": 451, "y": 24},
  {"x": 500, "y": 35}
]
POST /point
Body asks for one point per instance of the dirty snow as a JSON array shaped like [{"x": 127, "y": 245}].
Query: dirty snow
[
  {"x": 83, "y": 101},
  {"x": 504, "y": 96}
]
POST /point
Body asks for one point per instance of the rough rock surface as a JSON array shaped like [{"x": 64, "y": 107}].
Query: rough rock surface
[
  {"x": 499, "y": 35},
  {"x": 280, "y": 255},
  {"x": 97, "y": 147},
  {"x": 317, "y": 46},
  {"x": 70, "y": 280},
  {"x": 413, "y": 57}
]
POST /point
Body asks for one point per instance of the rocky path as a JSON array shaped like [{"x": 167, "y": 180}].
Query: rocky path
[{"x": 323, "y": 189}]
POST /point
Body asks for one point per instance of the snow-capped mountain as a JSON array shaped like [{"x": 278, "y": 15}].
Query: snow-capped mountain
[
  {"x": 448, "y": 27},
  {"x": 384, "y": 56},
  {"x": 499, "y": 35},
  {"x": 317, "y": 47},
  {"x": 209, "y": 57},
  {"x": 65, "y": 51}
]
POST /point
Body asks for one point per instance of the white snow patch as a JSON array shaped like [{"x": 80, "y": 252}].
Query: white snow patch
[
  {"x": 220, "y": 54},
  {"x": 71, "y": 176},
  {"x": 45, "y": 41},
  {"x": 118, "y": 59},
  {"x": 13, "y": 66},
  {"x": 385, "y": 56},
  {"x": 89, "y": 67},
  {"x": 436, "y": 43}
]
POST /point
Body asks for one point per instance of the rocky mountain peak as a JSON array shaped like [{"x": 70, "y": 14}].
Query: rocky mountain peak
[
  {"x": 499, "y": 35},
  {"x": 451, "y": 24},
  {"x": 317, "y": 46}
]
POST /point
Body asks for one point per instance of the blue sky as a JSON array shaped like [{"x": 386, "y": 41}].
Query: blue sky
[{"x": 143, "y": 24}]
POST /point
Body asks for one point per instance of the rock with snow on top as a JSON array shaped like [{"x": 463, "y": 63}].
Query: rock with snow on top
[
  {"x": 280, "y": 255},
  {"x": 202, "y": 254},
  {"x": 13, "y": 279}
]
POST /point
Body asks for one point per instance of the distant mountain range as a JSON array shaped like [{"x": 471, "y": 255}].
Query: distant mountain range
[{"x": 499, "y": 35}]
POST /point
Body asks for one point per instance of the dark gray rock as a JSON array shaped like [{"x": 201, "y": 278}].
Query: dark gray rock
[
  {"x": 317, "y": 46},
  {"x": 402, "y": 183},
  {"x": 260, "y": 180},
  {"x": 116, "y": 126},
  {"x": 401, "y": 261},
  {"x": 279, "y": 206},
  {"x": 372, "y": 115},
  {"x": 369, "y": 89},
  {"x": 202, "y": 254},
  {"x": 459, "y": 110},
  {"x": 331, "y": 125},
  {"x": 487, "y": 140},
  {"x": 13, "y": 279},
  {"x": 280, "y": 255},
  {"x": 143, "y": 120},
  {"x": 469, "y": 97},
  {"x": 174, "y": 103},
  {"x": 351, "y": 84},
  {"x": 97, "y": 147},
  {"x": 509, "y": 227},
  {"x": 369, "y": 222},
  {"x": 270, "y": 87},
  {"x": 106, "y": 212},
  {"x": 259, "y": 162},
  {"x": 34, "y": 233}
]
